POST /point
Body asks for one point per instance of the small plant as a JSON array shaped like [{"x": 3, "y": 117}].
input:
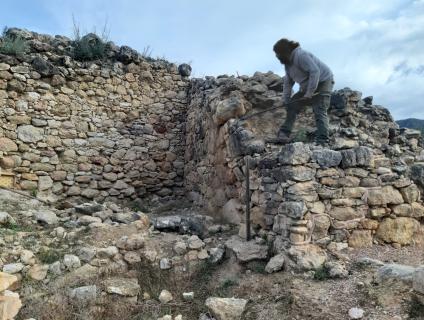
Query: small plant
[
  {"x": 301, "y": 136},
  {"x": 12, "y": 45},
  {"x": 257, "y": 267},
  {"x": 91, "y": 46},
  {"x": 48, "y": 256},
  {"x": 34, "y": 192},
  {"x": 416, "y": 308},
  {"x": 11, "y": 226},
  {"x": 147, "y": 52},
  {"x": 322, "y": 273}
]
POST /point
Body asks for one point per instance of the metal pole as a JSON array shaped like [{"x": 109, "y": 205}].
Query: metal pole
[{"x": 247, "y": 164}]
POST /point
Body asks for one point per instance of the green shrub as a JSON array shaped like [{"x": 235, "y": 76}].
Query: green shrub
[
  {"x": 90, "y": 46},
  {"x": 13, "y": 45},
  {"x": 323, "y": 273},
  {"x": 49, "y": 256},
  {"x": 416, "y": 308}
]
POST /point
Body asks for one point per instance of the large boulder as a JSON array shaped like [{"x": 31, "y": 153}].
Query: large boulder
[
  {"x": 229, "y": 108},
  {"x": 400, "y": 230},
  {"x": 226, "y": 308}
]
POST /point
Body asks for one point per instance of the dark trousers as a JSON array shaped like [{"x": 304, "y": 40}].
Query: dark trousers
[{"x": 320, "y": 105}]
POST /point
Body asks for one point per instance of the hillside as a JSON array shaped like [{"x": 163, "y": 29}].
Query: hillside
[{"x": 412, "y": 123}]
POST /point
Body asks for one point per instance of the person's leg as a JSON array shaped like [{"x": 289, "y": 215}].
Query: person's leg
[
  {"x": 292, "y": 111},
  {"x": 320, "y": 108}
]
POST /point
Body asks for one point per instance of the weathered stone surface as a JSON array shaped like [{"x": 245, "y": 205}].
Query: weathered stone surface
[
  {"x": 10, "y": 304},
  {"x": 246, "y": 251},
  {"x": 418, "y": 280},
  {"x": 231, "y": 107},
  {"x": 346, "y": 213},
  {"x": 275, "y": 264},
  {"x": 395, "y": 271},
  {"x": 226, "y": 308},
  {"x": 294, "y": 209},
  {"x": 307, "y": 257},
  {"x": 84, "y": 294},
  {"x": 29, "y": 133},
  {"x": 360, "y": 239},
  {"x": 165, "y": 296},
  {"x": 46, "y": 217},
  {"x": 410, "y": 193},
  {"x": 295, "y": 153},
  {"x": 38, "y": 271},
  {"x": 399, "y": 230},
  {"x": 123, "y": 286},
  {"x": 327, "y": 158},
  {"x": 7, "y": 145},
  {"x": 7, "y": 280}
]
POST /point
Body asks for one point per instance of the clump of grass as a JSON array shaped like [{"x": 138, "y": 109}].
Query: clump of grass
[
  {"x": 322, "y": 273},
  {"x": 416, "y": 308},
  {"x": 91, "y": 46},
  {"x": 301, "y": 136},
  {"x": 224, "y": 288},
  {"x": 13, "y": 45},
  {"x": 48, "y": 256},
  {"x": 257, "y": 266}
]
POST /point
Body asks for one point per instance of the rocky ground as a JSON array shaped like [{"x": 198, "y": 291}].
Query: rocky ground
[{"x": 96, "y": 261}]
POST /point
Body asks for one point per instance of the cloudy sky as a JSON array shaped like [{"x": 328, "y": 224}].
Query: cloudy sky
[{"x": 374, "y": 46}]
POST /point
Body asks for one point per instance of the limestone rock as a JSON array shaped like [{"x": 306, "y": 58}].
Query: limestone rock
[
  {"x": 231, "y": 107},
  {"x": 13, "y": 267},
  {"x": 10, "y": 304},
  {"x": 356, "y": 313},
  {"x": 85, "y": 293},
  {"x": 307, "y": 257},
  {"x": 418, "y": 280},
  {"x": 226, "y": 308},
  {"x": 360, "y": 239},
  {"x": 247, "y": 251},
  {"x": 7, "y": 145},
  {"x": 46, "y": 217},
  {"x": 400, "y": 230},
  {"x": 29, "y": 133},
  {"x": 395, "y": 271},
  {"x": 165, "y": 296},
  {"x": 275, "y": 264},
  {"x": 293, "y": 209},
  {"x": 295, "y": 153},
  {"x": 38, "y": 271},
  {"x": 123, "y": 286},
  {"x": 327, "y": 158},
  {"x": 7, "y": 280}
]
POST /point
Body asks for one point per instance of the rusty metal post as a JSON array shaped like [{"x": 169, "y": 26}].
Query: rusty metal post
[{"x": 247, "y": 164}]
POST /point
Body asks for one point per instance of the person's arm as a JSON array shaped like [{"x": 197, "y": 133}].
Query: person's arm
[
  {"x": 309, "y": 66},
  {"x": 288, "y": 84}
]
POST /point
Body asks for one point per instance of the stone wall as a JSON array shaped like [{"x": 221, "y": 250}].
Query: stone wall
[
  {"x": 355, "y": 191},
  {"x": 98, "y": 130}
]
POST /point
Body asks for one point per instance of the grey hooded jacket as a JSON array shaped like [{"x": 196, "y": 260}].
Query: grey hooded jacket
[{"x": 305, "y": 69}]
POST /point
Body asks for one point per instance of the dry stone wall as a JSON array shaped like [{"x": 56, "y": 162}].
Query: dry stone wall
[
  {"x": 354, "y": 192},
  {"x": 111, "y": 129}
]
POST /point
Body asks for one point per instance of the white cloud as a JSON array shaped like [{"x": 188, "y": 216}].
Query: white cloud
[{"x": 373, "y": 46}]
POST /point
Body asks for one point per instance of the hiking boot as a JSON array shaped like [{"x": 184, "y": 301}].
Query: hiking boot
[{"x": 281, "y": 138}]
